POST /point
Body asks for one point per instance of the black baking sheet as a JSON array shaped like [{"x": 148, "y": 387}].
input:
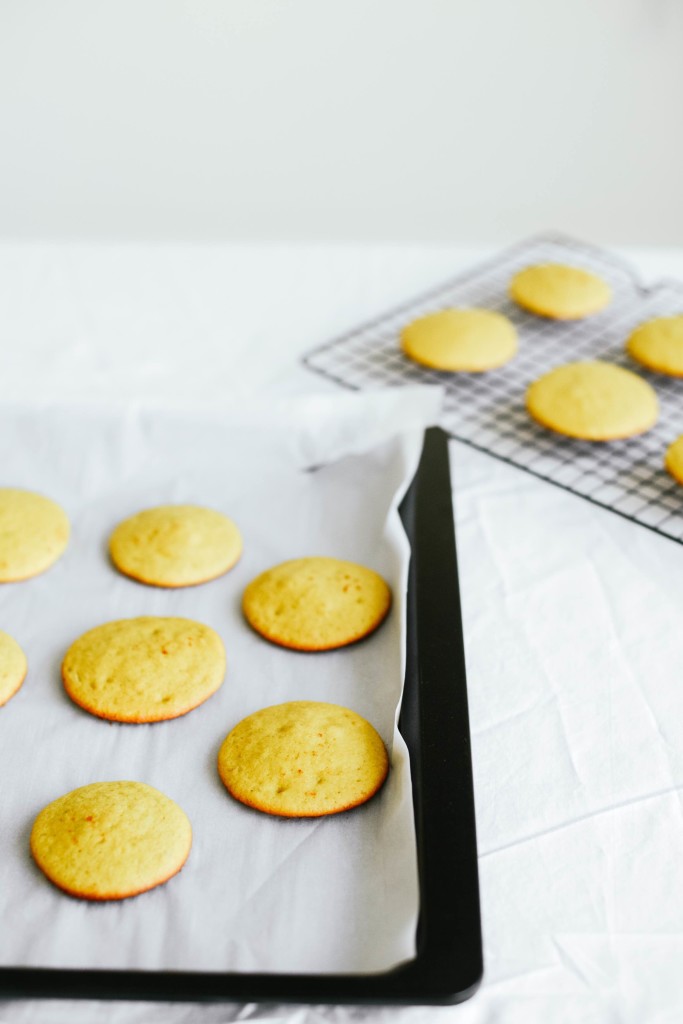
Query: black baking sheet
[{"x": 434, "y": 723}]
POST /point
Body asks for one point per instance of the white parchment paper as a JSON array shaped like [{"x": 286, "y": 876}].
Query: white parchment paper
[{"x": 322, "y": 476}]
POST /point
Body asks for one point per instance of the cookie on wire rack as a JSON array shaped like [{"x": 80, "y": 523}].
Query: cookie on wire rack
[
  {"x": 460, "y": 340},
  {"x": 673, "y": 459},
  {"x": 559, "y": 292},
  {"x": 593, "y": 401},
  {"x": 658, "y": 345}
]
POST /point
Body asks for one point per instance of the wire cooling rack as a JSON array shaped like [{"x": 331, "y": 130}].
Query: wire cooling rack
[{"x": 487, "y": 410}]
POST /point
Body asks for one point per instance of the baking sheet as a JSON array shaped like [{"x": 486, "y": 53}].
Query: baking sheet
[{"x": 257, "y": 894}]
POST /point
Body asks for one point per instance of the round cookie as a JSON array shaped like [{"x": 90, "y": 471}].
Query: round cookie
[
  {"x": 303, "y": 759},
  {"x": 34, "y": 532},
  {"x": 658, "y": 345},
  {"x": 13, "y": 667},
  {"x": 673, "y": 460},
  {"x": 594, "y": 401},
  {"x": 316, "y": 604},
  {"x": 147, "y": 669},
  {"x": 471, "y": 340},
  {"x": 175, "y": 545},
  {"x": 110, "y": 840},
  {"x": 559, "y": 292}
]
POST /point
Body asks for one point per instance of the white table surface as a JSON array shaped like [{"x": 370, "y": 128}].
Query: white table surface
[{"x": 573, "y": 618}]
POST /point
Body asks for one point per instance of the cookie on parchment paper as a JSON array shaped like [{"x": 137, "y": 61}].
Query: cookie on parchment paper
[
  {"x": 110, "y": 840},
  {"x": 316, "y": 604},
  {"x": 147, "y": 669},
  {"x": 303, "y": 759},
  {"x": 13, "y": 667},
  {"x": 175, "y": 545},
  {"x": 34, "y": 533}
]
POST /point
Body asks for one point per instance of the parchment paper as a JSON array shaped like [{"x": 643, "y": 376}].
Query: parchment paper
[{"x": 322, "y": 476}]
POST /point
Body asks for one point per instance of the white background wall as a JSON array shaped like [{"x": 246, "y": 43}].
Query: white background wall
[{"x": 462, "y": 120}]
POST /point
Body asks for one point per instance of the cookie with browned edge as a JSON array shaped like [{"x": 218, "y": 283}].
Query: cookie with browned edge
[
  {"x": 316, "y": 604},
  {"x": 111, "y": 840},
  {"x": 147, "y": 669},
  {"x": 303, "y": 759}
]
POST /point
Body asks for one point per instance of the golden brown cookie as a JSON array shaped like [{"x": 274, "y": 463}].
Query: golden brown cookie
[
  {"x": 34, "y": 532},
  {"x": 147, "y": 669},
  {"x": 559, "y": 292},
  {"x": 658, "y": 345},
  {"x": 471, "y": 340},
  {"x": 13, "y": 667},
  {"x": 175, "y": 545},
  {"x": 303, "y": 759},
  {"x": 316, "y": 604},
  {"x": 110, "y": 840},
  {"x": 594, "y": 401}
]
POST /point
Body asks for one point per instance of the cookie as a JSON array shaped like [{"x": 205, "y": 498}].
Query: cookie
[
  {"x": 110, "y": 840},
  {"x": 34, "y": 532},
  {"x": 13, "y": 667},
  {"x": 175, "y": 545},
  {"x": 658, "y": 345},
  {"x": 559, "y": 292},
  {"x": 303, "y": 759},
  {"x": 144, "y": 670},
  {"x": 471, "y": 340},
  {"x": 316, "y": 604},
  {"x": 594, "y": 401},
  {"x": 673, "y": 460}
]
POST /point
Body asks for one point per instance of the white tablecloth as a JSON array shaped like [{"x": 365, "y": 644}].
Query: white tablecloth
[{"x": 572, "y": 621}]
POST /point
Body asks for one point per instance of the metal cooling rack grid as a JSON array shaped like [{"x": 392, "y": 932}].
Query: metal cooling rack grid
[{"x": 487, "y": 410}]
